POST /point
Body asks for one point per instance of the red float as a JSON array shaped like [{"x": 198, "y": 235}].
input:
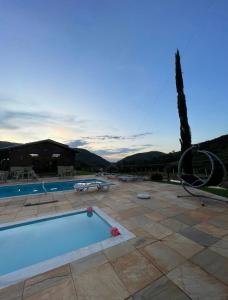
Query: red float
[
  {"x": 89, "y": 210},
  {"x": 114, "y": 231}
]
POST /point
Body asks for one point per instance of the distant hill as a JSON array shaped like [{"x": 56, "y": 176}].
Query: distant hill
[
  {"x": 7, "y": 144},
  {"x": 87, "y": 160},
  {"x": 218, "y": 146},
  {"x": 140, "y": 158}
]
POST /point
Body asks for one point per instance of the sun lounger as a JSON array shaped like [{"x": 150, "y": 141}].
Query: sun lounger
[
  {"x": 130, "y": 178},
  {"x": 85, "y": 186}
]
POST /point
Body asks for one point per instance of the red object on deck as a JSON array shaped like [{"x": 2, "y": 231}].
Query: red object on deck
[
  {"x": 114, "y": 231},
  {"x": 89, "y": 209}
]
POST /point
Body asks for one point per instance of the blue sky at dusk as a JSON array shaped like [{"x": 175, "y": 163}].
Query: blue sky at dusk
[{"x": 101, "y": 74}]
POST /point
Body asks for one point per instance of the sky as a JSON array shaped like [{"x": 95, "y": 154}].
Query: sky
[{"x": 100, "y": 74}]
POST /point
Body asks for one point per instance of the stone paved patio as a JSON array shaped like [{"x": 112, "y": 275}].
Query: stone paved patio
[{"x": 180, "y": 250}]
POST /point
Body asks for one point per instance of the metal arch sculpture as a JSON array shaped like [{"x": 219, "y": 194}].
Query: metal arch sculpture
[{"x": 215, "y": 177}]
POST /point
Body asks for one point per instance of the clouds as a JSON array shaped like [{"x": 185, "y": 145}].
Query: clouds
[
  {"x": 118, "y": 153},
  {"x": 124, "y": 150},
  {"x": 118, "y": 137},
  {"x": 108, "y": 146},
  {"x": 11, "y": 119},
  {"x": 28, "y": 124},
  {"x": 77, "y": 143}
]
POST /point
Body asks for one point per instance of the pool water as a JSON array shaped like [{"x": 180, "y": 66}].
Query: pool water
[
  {"x": 37, "y": 188},
  {"x": 32, "y": 242}
]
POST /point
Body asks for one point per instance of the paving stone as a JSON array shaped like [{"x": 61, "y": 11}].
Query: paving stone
[
  {"x": 182, "y": 245},
  {"x": 155, "y": 204},
  {"x": 88, "y": 262},
  {"x": 198, "y": 215},
  {"x": 132, "y": 212},
  {"x": 155, "y": 216},
  {"x": 157, "y": 230},
  {"x": 220, "y": 221},
  {"x": 213, "y": 263},
  {"x": 170, "y": 211},
  {"x": 139, "y": 231},
  {"x": 55, "y": 273},
  {"x": 212, "y": 229},
  {"x": 199, "y": 237},
  {"x": 54, "y": 285},
  {"x": 13, "y": 292},
  {"x": 182, "y": 203},
  {"x": 174, "y": 225},
  {"x": 198, "y": 284},
  {"x": 99, "y": 283},
  {"x": 142, "y": 241},
  {"x": 119, "y": 250},
  {"x": 185, "y": 219},
  {"x": 162, "y": 256},
  {"x": 142, "y": 238},
  {"x": 135, "y": 271},
  {"x": 139, "y": 220},
  {"x": 221, "y": 247},
  {"x": 161, "y": 289}
]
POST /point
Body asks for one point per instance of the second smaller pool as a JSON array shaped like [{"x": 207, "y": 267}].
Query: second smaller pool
[
  {"x": 29, "y": 243},
  {"x": 38, "y": 245}
]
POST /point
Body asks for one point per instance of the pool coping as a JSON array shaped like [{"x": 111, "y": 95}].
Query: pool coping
[{"x": 55, "y": 262}]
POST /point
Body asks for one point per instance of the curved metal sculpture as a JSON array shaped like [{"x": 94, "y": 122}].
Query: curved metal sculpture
[{"x": 215, "y": 177}]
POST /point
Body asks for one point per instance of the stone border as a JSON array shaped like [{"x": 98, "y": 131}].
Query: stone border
[{"x": 27, "y": 272}]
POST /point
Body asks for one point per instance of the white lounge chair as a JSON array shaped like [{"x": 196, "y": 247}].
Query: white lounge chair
[
  {"x": 85, "y": 186},
  {"x": 130, "y": 178}
]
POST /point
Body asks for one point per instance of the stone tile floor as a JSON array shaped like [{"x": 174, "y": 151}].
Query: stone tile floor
[{"x": 180, "y": 250}]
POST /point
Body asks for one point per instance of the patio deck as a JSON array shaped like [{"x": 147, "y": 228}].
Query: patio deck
[{"x": 180, "y": 250}]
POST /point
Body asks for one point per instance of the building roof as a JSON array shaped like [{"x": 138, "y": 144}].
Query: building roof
[{"x": 37, "y": 142}]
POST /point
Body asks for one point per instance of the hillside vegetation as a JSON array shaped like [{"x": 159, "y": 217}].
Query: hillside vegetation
[
  {"x": 86, "y": 160},
  {"x": 158, "y": 160},
  {"x": 4, "y": 144}
]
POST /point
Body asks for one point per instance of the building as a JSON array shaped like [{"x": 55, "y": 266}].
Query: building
[{"x": 44, "y": 157}]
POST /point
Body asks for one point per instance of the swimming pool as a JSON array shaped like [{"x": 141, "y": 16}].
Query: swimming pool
[
  {"x": 41, "y": 187},
  {"x": 38, "y": 245}
]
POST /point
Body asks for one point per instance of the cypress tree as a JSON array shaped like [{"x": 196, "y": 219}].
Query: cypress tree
[{"x": 185, "y": 132}]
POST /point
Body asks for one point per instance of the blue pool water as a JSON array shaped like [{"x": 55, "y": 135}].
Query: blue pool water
[
  {"x": 37, "y": 188},
  {"x": 32, "y": 242}
]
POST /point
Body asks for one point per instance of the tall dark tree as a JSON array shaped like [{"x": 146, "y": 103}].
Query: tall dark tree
[{"x": 185, "y": 132}]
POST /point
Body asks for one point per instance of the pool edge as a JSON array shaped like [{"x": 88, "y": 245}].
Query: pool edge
[{"x": 11, "y": 198}]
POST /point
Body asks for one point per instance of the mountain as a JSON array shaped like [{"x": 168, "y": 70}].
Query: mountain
[
  {"x": 218, "y": 146},
  {"x": 140, "y": 158},
  {"x": 87, "y": 160},
  {"x": 7, "y": 144}
]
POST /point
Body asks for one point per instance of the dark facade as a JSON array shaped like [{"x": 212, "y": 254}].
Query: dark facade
[{"x": 43, "y": 156}]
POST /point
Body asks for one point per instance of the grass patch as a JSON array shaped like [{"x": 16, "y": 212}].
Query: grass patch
[
  {"x": 219, "y": 192},
  {"x": 215, "y": 191}
]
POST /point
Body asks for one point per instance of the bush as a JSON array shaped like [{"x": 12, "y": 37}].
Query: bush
[{"x": 156, "y": 177}]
